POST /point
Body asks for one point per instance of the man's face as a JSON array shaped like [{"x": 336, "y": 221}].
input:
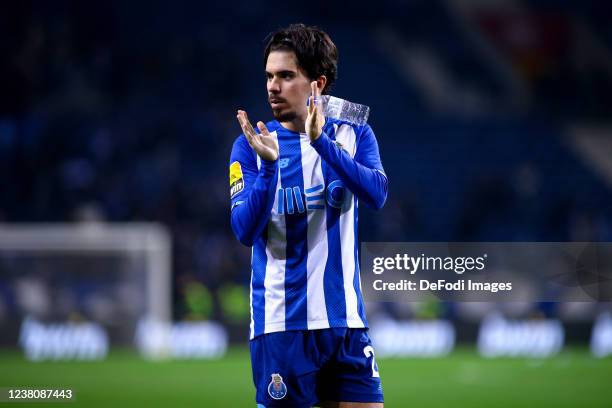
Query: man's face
[{"x": 288, "y": 86}]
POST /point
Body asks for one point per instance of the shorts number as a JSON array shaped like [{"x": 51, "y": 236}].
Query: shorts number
[{"x": 369, "y": 352}]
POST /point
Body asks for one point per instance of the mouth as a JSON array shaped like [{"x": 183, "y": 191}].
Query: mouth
[{"x": 276, "y": 103}]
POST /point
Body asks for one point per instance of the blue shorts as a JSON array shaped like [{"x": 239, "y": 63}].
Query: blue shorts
[{"x": 299, "y": 368}]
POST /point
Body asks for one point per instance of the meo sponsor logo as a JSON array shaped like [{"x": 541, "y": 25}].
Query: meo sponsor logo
[{"x": 291, "y": 199}]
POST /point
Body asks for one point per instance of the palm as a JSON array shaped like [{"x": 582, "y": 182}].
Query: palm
[
  {"x": 314, "y": 124},
  {"x": 264, "y": 144},
  {"x": 269, "y": 147},
  {"x": 315, "y": 119}
]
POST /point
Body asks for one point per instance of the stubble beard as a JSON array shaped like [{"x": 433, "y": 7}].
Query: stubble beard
[{"x": 281, "y": 116}]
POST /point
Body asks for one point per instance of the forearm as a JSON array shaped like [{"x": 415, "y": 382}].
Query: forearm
[
  {"x": 250, "y": 217},
  {"x": 368, "y": 184}
]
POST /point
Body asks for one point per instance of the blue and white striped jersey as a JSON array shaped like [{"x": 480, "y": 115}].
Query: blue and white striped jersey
[{"x": 299, "y": 214}]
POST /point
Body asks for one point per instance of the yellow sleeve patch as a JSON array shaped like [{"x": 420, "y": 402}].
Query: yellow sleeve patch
[{"x": 235, "y": 178}]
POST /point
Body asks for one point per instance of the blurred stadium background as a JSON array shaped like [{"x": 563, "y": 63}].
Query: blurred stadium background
[{"x": 494, "y": 121}]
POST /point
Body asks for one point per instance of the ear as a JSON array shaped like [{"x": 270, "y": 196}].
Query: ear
[{"x": 321, "y": 83}]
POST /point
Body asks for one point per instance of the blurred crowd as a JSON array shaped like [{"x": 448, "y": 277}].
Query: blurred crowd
[{"x": 115, "y": 112}]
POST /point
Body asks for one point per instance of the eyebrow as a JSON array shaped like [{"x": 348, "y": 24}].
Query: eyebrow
[{"x": 285, "y": 71}]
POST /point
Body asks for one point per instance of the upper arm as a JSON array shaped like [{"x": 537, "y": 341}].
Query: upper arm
[{"x": 242, "y": 170}]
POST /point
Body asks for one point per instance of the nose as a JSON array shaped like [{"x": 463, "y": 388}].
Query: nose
[{"x": 274, "y": 86}]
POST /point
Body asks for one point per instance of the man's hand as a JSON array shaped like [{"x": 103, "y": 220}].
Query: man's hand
[
  {"x": 264, "y": 144},
  {"x": 315, "y": 119}
]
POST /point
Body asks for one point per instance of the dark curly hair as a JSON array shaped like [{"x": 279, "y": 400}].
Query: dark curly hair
[{"x": 315, "y": 51}]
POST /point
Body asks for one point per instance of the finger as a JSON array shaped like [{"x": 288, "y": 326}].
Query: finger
[
  {"x": 317, "y": 96},
  {"x": 314, "y": 90},
  {"x": 247, "y": 123},
  {"x": 240, "y": 117},
  {"x": 311, "y": 105},
  {"x": 248, "y": 131},
  {"x": 263, "y": 129},
  {"x": 254, "y": 142},
  {"x": 249, "y": 139},
  {"x": 243, "y": 119}
]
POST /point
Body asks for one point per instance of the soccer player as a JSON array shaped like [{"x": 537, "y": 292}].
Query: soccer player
[{"x": 295, "y": 185}]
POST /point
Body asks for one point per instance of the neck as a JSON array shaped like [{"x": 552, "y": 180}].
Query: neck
[{"x": 297, "y": 125}]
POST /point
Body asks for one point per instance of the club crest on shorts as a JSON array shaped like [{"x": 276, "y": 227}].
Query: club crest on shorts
[{"x": 277, "y": 388}]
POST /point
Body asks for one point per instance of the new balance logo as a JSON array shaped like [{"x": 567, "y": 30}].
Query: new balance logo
[{"x": 282, "y": 163}]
